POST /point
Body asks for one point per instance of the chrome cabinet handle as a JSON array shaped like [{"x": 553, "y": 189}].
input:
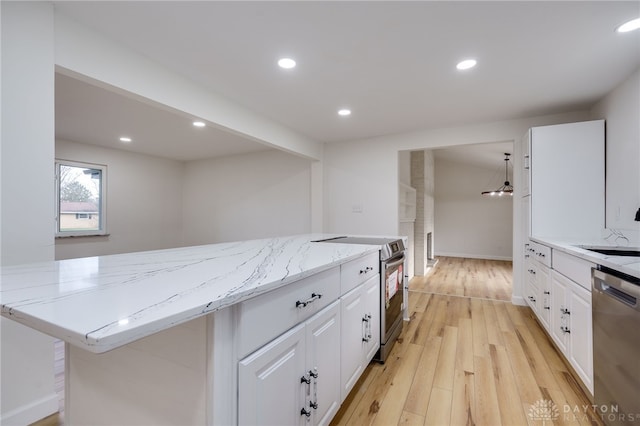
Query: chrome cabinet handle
[
  {"x": 531, "y": 271},
  {"x": 307, "y": 395},
  {"x": 565, "y": 311},
  {"x": 565, "y": 329},
  {"x": 313, "y": 298},
  {"x": 314, "y": 373},
  {"x": 366, "y": 270},
  {"x": 367, "y": 329}
]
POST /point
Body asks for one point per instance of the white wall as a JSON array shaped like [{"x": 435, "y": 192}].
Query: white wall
[
  {"x": 144, "y": 202},
  {"x": 467, "y": 224},
  {"x": 248, "y": 196},
  {"x": 404, "y": 167},
  {"x": 26, "y": 194},
  {"x": 621, "y": 110},
  {"x": 407, "y": 228}
]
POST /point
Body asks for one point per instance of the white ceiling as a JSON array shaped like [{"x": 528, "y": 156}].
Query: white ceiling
[
  {"x": 90, "y": 114},
  {"x": 391, "y": 62}
]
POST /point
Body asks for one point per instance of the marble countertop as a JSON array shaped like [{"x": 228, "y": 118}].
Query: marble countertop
[
  {"x": 100, "y": 303},
  {"x": 627, "y": 264}
]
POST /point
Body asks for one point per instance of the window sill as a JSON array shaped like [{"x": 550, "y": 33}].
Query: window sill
[{"x": 65, "y": 237}]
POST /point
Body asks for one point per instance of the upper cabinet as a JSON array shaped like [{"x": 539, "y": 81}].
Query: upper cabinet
[{"x": 567, "y": 181}]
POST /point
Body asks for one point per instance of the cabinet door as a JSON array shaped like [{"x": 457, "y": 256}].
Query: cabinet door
[
  {"x": 270, "y": 391},
  {"x": 371, "y": 305},
  {"x": 559, "y": 321},
  {"x": 581, "y": 337},
  {"x": 531, "y": 286},
  {"x": 543, "y": 279},
  {"x": 576, "y": 211},
  {"x": 323, "y": 358},
  {"x": 526, "y": 163},
  {"x": 352, "y": 326}
]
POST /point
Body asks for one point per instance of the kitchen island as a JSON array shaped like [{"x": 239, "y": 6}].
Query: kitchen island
[{"x": 157, "y": 337}]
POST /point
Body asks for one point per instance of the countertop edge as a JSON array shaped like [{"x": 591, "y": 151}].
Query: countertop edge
[{"x": 618, "y": 263}]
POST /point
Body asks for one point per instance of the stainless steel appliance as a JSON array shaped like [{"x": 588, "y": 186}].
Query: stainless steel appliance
[
  {"x": 616, "y": 345},
  {"x": 392, "y": 279}
]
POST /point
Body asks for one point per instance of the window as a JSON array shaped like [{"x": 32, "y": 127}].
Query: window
[{"x": 80, "y": 199}]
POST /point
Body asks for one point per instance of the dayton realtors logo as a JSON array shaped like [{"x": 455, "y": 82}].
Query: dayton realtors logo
[{"x": 544, "y": 410}]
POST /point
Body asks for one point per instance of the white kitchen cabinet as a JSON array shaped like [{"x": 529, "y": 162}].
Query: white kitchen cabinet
[
  {"x": 360, "y": 331},
  {"x": 567, "y": 180},
  {"x": 294, "y": 379},
  {"x": 571, "y": 326},
  {"x": 537, "y": 280},
  {"x": 284, "y": 308},
  {"x": 581, "y": 336},
  {"x": 559, "y": 318},
  {"x": 301, "y": 340},
  {"x": 544, "y": 293},
  {"x": 323, "y": 357},
  {"x": 269, "y": 382}
]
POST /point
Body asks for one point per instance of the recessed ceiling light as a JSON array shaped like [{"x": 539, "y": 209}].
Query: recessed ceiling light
[
  {"x": 344, "y": 112},
  {"x": 125, "y": 139},
  {"x": 199, "y": 123},
  {"x": 287, "y": 63},
  {"x": 466, "y": 64},
  {"x": 634, "y": 24}
]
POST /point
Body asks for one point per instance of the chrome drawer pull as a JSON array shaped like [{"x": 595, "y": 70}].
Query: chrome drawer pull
[
  {"x": 365, "y": 270},
  {"x": 313, "y": 298}
]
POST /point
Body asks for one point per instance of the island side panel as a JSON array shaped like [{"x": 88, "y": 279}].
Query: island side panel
[
  {"x": 222, "y": 367},
  {"x": 160, "y": 380}
]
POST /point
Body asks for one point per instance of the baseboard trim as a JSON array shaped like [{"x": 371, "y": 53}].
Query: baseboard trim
[
  {"x": 32, "y": 412},
  {"x": 474, "y": 256},
  {"x": 518, "y": 300}
]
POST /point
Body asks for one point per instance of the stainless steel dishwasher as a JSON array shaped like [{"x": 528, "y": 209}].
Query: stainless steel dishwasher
[{"x": 616, "y": 346}]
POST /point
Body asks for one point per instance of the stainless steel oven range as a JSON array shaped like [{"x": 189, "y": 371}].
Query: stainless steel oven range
[{"x": 392, "y": 279}]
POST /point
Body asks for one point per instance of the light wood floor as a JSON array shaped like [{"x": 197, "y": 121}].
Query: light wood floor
[
  {"x": 480, "y": 278},
  {"x": 467, "y": 357},
  {"x": 467, "y": 360}
]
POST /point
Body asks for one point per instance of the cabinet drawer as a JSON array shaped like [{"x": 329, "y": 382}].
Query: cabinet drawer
[
  {"x": 266, "y": 316},
  {"x": 358, "y": 271},
  {"x": 541, "y": 253},
  {"x": 578, "y": 270}
]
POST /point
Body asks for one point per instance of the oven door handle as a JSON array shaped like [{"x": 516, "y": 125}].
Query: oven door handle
[{"x": 394, "y": 263}]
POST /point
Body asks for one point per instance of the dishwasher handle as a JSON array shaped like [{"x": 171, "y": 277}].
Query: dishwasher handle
[{"x": 615, "y": 287}]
